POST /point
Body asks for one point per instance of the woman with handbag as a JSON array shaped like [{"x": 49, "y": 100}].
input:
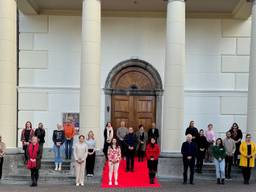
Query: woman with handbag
[{"x": 34, "y": 160}]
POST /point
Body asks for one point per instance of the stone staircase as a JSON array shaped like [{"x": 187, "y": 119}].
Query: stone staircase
[
  {"x": 15, "y": 172},
  {"x": 210, "y": 174},
  {"x": 171, "y": 168}
]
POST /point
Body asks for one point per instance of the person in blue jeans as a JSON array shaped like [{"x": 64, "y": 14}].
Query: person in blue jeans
[
  {"x": 58, "y": 147},
  {"x": 219, "y": 154},
  {"x": 69, "y": 132}
]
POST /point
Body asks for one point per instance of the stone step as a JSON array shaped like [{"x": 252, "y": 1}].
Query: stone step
[
  {"x": 49, "y": 164},
  {"x": 47, "y": 179},
  {"x": 44, "y": 172}
]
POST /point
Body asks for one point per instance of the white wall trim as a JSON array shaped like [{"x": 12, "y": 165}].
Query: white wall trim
[
  {"x": 216, "y": 93},
  {"x": 188, "y": 92}
]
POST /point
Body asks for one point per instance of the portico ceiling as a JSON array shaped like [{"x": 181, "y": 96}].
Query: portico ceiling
[{"x": 201, "y": 8}]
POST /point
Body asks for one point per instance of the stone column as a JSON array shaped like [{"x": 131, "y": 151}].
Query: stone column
[
  {"x": 251, "y": 111},
  {"x": 90, "y": 69},
  {"x": 173, "y": 108},
  {"x": 8, "y": 72}
]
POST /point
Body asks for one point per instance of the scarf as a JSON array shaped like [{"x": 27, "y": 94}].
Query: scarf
[
  {"x": 109, "y": 133},
  {"x": 32, "y": 153}
]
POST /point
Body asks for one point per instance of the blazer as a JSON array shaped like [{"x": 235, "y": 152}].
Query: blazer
[
  {"x": 189, "y": 149},
  {"x": 243, "y": 157},
  {"x": 155, "y": 134},
  {"x": 142, "y": 146}
]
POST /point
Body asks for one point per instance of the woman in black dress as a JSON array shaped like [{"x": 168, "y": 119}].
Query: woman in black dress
[
  {"x": 108, "y": 136},
  {"x": 237, "y": 136}
]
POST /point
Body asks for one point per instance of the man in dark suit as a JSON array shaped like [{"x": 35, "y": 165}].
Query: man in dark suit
[
  {"x": 188, "y": 151},
  {"x": 153, "y": 132},
  {"x": 130, "y": 141}
]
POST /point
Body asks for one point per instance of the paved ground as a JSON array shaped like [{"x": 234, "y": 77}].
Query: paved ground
[{"x": 206, "y": 186}]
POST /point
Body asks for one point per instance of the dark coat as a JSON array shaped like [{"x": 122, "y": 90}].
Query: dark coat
[
  {"x": 155, "y": 134},
  {"x": 189, "y": 149},
  {"x": 192, "y": 131},
  {"x": 130, "y": 140},
  {"x": 40, "y": 133},
  {"x": 201, "y": 143}
]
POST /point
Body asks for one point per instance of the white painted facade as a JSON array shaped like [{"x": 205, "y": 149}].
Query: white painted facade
[{"x": 216, "y": 77}]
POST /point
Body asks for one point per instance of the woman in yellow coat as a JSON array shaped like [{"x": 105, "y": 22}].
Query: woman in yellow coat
[{"x": 247, "y": 159}]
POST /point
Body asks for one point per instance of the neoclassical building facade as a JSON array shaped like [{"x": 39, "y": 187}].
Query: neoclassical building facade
[{"x": 140, "y": 61}]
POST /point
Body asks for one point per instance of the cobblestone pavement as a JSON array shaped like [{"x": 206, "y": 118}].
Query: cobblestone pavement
[{"x": 206, "y": 186}]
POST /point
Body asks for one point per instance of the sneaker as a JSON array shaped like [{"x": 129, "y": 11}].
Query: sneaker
[
  {"x": 82, "y": 184},
  {"x": 116, "y": 183},
  {"x": 109, "y": 183},
  {"x": 77, "y": 184}
]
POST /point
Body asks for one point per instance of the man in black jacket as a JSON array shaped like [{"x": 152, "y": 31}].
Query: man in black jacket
[
  {"x": 130, "y": 141},
  {"x": 153, "y": 132},
  {"x": 189, "y": 151}
]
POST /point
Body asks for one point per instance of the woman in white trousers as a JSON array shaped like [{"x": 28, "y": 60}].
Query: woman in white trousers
[
  {"x": 114, "y": 157},
  {"x": 80, "y": 155}
]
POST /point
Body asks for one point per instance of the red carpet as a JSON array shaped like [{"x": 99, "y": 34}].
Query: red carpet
[{"x": 138, "y": 178}]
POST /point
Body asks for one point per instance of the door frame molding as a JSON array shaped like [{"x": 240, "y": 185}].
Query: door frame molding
[{"x": 158, "y": 91}]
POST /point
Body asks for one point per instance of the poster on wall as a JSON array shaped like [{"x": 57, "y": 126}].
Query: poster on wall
[{"x": 71, "y": 117}]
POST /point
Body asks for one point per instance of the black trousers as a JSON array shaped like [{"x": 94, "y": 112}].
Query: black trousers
[
  {"x": 123, "y": 148},
  {"x": 246, "y": 173},
  {"x": 228, "y": 165},
  {"x": 25, "y": 147},
  {"x": 237, "y": 152},
  {"x": 130, "y": 160},
  {"x": 105, "y": 149},
  {"x": 41, "y": 145},
  {"x": 141, "y": 154},
  {"x": 1, "y": 166},
  {"x": 90, "y": 162},
  {"x": 200, "y": 160},
  {"x": 34, "y": 175},
  {"x": 191, "y": 165},
  {"x": 152, "y": 168}
]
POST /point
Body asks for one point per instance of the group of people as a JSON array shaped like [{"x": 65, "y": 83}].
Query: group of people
[
  {"x": 84, "y": 150},
  {"x": 202, "y": 145},
  {"x": 124, "y": 143}
]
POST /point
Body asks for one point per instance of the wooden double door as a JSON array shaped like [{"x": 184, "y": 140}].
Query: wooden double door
[{"x": 134, "y": 110}]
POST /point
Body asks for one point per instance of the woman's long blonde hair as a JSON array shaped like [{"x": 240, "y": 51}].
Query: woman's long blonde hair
[{"x": 88, "y": 136}]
